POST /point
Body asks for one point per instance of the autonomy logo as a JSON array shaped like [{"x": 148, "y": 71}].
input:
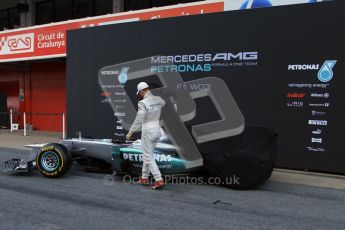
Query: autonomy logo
[
  {"x": 295, "y": 95},
  {"x": 317, "y": 122},
  {"x": 23, "y": 43},
  {"x": 319, "y": 105},
  {"x": 325, "y": 73}
]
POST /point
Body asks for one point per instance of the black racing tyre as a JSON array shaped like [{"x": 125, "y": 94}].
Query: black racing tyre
[{"x": 53, "y": 160}]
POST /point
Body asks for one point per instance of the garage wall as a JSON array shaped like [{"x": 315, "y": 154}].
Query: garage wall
[
  {"x": 11, "y": 90},
  {"x": 48, "y": 95},
  {"x": 44, "y": 88},
  {"x": 9, "y": 78}
]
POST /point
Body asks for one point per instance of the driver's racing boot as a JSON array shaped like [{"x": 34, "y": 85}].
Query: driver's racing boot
[
  {"x": 158, "y": 184},
  {"x": 143, "y": 181}
]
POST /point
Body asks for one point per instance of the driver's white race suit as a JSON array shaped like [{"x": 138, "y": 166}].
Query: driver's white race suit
[{"x": 149, "y": 111}]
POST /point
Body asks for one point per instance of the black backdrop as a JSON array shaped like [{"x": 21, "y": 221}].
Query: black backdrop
[{"x": 306, "y": 34}]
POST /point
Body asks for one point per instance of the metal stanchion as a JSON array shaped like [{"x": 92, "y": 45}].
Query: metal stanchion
[
  {"x": 24, "y": 117},
  {"x": 63, "y": 126},
  {"x": 11, "y": 120}
]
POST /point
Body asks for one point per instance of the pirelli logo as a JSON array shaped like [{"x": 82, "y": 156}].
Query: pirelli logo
[
  {"x": 317, "y": 122},
  {"x": 47, "y": 148}
]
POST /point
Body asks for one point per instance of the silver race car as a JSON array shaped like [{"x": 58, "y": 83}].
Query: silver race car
[{"x": 55, "y": 159}]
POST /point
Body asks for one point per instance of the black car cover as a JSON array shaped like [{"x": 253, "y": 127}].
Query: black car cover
[{"x": 243, "y": 161}]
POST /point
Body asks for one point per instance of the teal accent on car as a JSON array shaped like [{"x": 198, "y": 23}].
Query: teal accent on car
[{"x": 129, "y": 160}]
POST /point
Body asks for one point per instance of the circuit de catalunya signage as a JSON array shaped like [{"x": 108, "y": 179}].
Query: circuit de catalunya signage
[{"x": 49, "y": 41}]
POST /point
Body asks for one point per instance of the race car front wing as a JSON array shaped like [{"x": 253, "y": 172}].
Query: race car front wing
[{"x": 17, "y": 165}]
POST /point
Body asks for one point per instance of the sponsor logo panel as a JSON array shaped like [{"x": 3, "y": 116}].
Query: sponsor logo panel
[{"x": 317, "y": 122}]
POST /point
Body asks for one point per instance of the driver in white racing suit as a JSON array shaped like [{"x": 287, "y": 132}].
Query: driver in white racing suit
[{"x": 149, "y": 111}]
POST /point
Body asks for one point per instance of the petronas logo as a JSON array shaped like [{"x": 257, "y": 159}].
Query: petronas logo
[
  {"x": 123, "y": 75},
  {"x": 325, "y": 73}
]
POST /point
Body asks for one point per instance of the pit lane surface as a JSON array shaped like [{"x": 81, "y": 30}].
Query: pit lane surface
[{"x": 83, "y": 201}]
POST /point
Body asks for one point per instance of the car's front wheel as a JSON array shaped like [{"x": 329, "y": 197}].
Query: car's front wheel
[{"x": 53, "y": 160}]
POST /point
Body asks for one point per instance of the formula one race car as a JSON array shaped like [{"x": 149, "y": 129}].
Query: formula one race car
[
  {"x": 249, "y": 156},
  {"x": 55, "y": 159}
]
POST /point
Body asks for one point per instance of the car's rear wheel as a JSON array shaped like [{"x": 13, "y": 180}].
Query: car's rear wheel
[{"x": 53, "y": 160}]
